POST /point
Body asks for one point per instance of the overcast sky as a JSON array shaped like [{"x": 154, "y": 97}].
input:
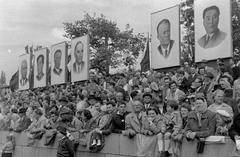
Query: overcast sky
[{"x": 32, "y": 22}]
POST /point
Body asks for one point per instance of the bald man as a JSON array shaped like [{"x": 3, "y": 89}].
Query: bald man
[
  {"x": 79, "y": 64},
  {"x": 134, "y": 122},
  {"x": 24, "y": 81}
]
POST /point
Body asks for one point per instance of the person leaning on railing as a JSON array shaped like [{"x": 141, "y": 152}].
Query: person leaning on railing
[{"x": 201, "y": 122}]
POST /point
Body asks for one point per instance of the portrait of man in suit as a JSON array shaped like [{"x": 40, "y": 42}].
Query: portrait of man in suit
[
  {"x": 24, "y": 80},
  {"x": 57, "y": 63},
  {"x": 163, "y": 35},
  {"x": 214, "y": 36},
  {"x": 79, "y": 64},
  {"x": 40, "y": 63}
]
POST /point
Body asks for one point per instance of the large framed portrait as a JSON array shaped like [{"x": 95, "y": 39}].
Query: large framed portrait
[
  {"x": 213, "y": 35},
  {"x": 24, "y": 71},
  {"x": 80, "y": 58},
  {"x": 165, "y": 30},
  {"x": 40, "y": 68},
  {"x": 58, "y": 63}
]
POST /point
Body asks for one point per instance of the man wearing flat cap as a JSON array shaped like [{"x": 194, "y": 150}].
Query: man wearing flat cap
[{"x": 25, "y": 121}]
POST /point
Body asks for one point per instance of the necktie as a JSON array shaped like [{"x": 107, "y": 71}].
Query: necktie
[
  {"x": 78, "y": 69},
  {"x": 166, "y": 53},
  {"x": 199, "y": 115},
  {"x": 207, "y": 40}
]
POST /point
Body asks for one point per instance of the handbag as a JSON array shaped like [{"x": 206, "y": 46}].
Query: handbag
[
  {"x": 50, "y": 137},
  {"x": 38, "y": 135},
  {"x": 200, "y": 145}
]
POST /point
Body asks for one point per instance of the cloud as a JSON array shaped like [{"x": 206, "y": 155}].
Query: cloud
[{"x": 58, "y": 33}]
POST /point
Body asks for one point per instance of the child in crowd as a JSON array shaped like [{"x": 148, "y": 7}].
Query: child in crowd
[
  {"x": 173, "y": 122},
  {"x": 8, "y": 147}
]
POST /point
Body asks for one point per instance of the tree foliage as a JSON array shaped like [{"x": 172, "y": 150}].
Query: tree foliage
[
  {"x": 187, "y": 22},
  {"x": 108, "y": 45}
]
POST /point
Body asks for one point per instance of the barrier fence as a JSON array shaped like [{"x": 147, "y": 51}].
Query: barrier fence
[{"x": 116, "y": 145}]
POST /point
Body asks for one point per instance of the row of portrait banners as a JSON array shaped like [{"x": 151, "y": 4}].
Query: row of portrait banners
[
  {"x": 213, "y": 33},
  {"x": 213, "y": 39},
  {"x": 79, "y": 65}
]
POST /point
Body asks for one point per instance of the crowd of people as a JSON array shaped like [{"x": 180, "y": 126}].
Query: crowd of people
[{"x": 193, "y": 102}]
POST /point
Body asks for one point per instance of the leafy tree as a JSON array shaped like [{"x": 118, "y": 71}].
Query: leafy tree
[
  {"x": 187, "y": 22},
  {"x": 108, "y": 45}
]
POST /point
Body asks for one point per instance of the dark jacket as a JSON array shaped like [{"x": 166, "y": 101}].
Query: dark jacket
[
  {"x": 184, "y": 85},
  {"x": 23, "y": 124},
  {"x": 233, "y": 103},
  {"x": 235, "y": 128},
  {"x": 208, "y": 121},
  {"x": 118, "y": 122},
  {"x": 65, "y": 148}
]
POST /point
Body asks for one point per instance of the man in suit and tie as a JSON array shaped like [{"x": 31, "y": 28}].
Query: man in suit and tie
[
  {"x": 163, "y": 35},
  {"x": 79, "y": 64},
  {"x": 192, "y": 76},
  {"x": 214, "y": 36},
  {"x": 57, "y": 62},
  {"x": 24, "y": 81},
  {"x": 40, "y": 63}
]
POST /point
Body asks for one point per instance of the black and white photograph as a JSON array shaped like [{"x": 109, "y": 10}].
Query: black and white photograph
[
  {"x": 165, "y": 38},
  {"x": 58, "y": 63},
  {"x": 213, "y": 37},
  {"x": 80, "y": 58},
  {"x": 40, "y": 68},
  {"x": 24, "y": 71}
]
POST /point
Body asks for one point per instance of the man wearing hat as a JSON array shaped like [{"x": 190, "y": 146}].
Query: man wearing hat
[
  {"x": 147, "y": 101},
  {"x": 207, "y": 68},
  {"x": 208, "y": 86},
  {"x": 92, "y": 102},
  {"x": 63, "y": 102},
  {"x": 65, "y": 146},
  {"x": 24, "y": 122}
]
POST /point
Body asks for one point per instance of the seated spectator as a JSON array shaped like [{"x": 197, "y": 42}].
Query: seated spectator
[
  {"x": 230, "y": 101},
  {"x": 104, "y": 127},
  {"x": 174, "y": 93},
  {"x": 147, "y": 101},
  {"x": 88, "y": 122},
  {"x": 38, "y": 123},
  {"x": 173, "y": 124},
  {"x": 223, "y": 123},
  {"x": 24, "y": 122},
  {"x": 219, "y": 104},
  {"x": 118, "y": 118},
  {"x": 234, "y": 131},
  {"x": 201, "y": 122},
  {"x": 154, "y": 123},
  {"x": 135, "y": 95},
  {"x": 52, "y": 123},
  {"x": 134, "y": 122}
]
